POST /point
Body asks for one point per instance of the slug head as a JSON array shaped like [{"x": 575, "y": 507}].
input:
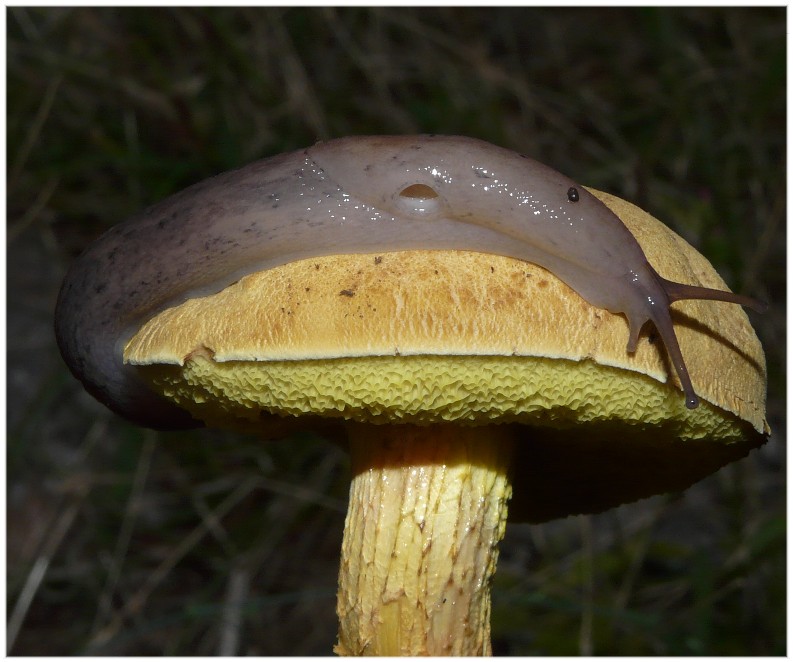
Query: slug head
[{"x": 658, "y": 295}]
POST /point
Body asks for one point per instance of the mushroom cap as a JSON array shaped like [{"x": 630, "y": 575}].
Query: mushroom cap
[{"x": 476, "y": 339}]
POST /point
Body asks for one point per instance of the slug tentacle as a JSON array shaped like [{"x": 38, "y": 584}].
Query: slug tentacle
[
  {"x": 658, "y": 306},
  {"x": 634, "y": 331},
  {"x": 680, "y": 291},
  {"x": 664, "y": 325}
]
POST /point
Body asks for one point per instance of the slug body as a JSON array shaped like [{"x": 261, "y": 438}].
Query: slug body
[{"x": 363, "y": 194}]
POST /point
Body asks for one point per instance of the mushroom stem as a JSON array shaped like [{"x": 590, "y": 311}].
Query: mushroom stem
[{"x": 428, "y": 507}]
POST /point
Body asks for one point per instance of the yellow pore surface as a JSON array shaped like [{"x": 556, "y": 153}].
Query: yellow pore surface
[{"x": 432, "y": 336}]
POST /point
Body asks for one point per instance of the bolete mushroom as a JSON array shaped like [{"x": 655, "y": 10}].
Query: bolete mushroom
[{"x": 443, "y": 369}]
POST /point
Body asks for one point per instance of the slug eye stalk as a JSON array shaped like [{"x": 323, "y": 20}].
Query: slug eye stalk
[{"x": 681, "y": 292}]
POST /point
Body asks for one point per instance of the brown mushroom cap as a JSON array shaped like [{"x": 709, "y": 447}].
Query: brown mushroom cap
[{"x": 474, "y": 339}]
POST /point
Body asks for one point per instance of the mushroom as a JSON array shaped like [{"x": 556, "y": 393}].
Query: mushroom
[
  {"x": 296, "y": 292},
  {"x": 456, "y": 378}
]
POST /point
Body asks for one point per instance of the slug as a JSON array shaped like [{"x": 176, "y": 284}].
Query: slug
[{"x": 361, "y": 194}]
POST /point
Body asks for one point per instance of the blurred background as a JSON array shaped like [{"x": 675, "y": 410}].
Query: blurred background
[{"x": 123, "y": 541}]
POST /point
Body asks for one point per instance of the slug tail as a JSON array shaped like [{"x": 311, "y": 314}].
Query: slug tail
[{"x": 679, "y": 291}]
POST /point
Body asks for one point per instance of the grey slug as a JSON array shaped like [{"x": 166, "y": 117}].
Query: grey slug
[{"x": 361, "y": 194}]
